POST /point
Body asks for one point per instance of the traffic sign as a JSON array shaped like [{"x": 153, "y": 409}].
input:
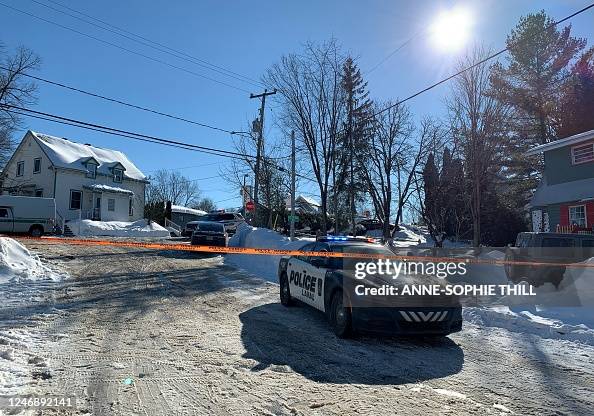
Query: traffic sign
[
  {"x": 249, "y": 205},
  {"x": 293, "y": 217}
]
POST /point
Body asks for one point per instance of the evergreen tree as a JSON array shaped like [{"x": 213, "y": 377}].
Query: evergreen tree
[
  {"x": 539, "y": 55},
  {"x": 348, "y": 187},
  {"x": 576, "y": 109}
]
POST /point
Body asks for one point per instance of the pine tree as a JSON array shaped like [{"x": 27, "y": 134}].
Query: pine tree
[
  {"x": 348, "y": 186},
  {"x": 539, "y": 55},
  {"x": 577, "y": 98}
]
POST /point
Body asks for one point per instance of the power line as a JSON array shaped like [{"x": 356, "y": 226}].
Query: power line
[
  {"x": 150, "y": 43},
  {"x": 395, "y": 51},
  {"x": 118, "y": 101},
  {"x": 125, "y": 49},
  {"x": 112, "y": 133},
  {"x": 135, "y": 136},
  {"x": 184, "y": 167},
  {"x": 482, "y": 61},
  {"x": 129, "y": 134}
]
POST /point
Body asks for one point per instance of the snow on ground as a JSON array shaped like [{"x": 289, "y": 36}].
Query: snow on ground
[
  {"x": 265, "y": 267},
  {"x": 24, "y": 283},
  {"x": 528, "y": 323},
  {"x": 138, "y": 228},
  {"x": 565, "y": 313},
  {"x": 539, "y": 315},
  {"x": 18, "y": 264}
]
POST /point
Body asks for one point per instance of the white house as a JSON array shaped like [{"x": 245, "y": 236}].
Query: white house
[{"x": 86, "y": 181}]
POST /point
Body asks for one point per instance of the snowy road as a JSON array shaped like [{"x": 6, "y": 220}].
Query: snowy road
[{"x": 193, "y": 336}]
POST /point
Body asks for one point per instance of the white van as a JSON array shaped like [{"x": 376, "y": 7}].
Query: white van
[{"x": 27, "y": 214}]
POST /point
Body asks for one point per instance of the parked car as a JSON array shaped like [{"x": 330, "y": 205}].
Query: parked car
[
  {"x": 210, "y": 233},
  {"x": 230, "y": 219},
  {"x": 325, "y": 283},
  {"x": 25, "y": 214},
  {"x": 544, "y": 247},
  {"x": 189, "y": 228}
]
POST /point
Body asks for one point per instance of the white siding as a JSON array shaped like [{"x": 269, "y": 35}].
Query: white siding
[
  {"x": 26, "y": 184},
  {"x": 67, "y": 180}
]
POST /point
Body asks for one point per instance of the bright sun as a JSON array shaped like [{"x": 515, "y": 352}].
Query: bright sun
[{"x": 451, "y": 29}]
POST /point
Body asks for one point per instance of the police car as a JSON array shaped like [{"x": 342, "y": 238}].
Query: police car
[{"x": 326, "y": 283}]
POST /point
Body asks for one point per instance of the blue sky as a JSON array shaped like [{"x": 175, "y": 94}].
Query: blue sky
[{"x": 246, "y": 37}]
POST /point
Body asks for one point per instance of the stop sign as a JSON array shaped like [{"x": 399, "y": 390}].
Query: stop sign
[{"x": 249, "y": 206}]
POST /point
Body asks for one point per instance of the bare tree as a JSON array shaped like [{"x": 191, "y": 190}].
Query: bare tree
[
  {"x": 172, "y": 186},
  {"x": 312, "y": 100},
  {"x": 414, "y": 152},
  {"x": 386, "y": 147},
  {"x": 15, "y": 90},
  {"x": 478, "y": 123},
  {"x": 273, "y": 182},
  {"x": 206, "y": 204}
]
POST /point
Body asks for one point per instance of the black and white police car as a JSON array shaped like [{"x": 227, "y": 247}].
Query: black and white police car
[{"x": 326, "y": 283}]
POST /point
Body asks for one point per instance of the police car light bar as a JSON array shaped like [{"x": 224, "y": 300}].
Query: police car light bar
[{"x": 345, "y": 238}]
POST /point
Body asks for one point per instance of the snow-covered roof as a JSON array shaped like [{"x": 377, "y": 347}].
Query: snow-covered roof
[
  {"x": 545, "y": 194},
  {"x": 575, "y": 139},
  {"x": 309, "y": 200},
  {"x": 64, "y": 153},
  {"x": 185, "y": 210},
  {"x": 96, "y": 187}
]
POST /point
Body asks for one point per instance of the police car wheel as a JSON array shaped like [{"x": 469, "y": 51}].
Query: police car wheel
[
  {"x": 285, "y": 292},
  {"x": 340, "y": 316}
]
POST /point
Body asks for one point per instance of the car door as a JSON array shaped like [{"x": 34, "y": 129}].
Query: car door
[
  {"x": 6, "y": 220},
  {"x": 317, "y": 268},
  {"x": 298, "y": 270}
]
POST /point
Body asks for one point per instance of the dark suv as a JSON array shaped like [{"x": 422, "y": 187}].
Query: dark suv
[
  {"x": 230, "y": 219},
  {"x": 555, "y": 248}
]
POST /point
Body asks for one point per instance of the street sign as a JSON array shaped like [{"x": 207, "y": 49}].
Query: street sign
[
  {"x": 293, "y": 217},
  {"x": 249, "y": 205}
]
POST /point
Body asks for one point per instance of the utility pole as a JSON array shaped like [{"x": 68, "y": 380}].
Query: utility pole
[
  {"x": 244, "y": 196},
  {"x": 259, "y": 149},
  {"x": 292, "y": 221}
]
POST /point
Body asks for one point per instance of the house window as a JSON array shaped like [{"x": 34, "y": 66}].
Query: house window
[
  {"x": 130, "y": 208},
  {"x": 37, "y": 165},
  {"x": 577, "y": 215},
  {"x": 91, "y": 170},
  {"x": 111, "y": 204},
  {"x": 582, "y": 153},
  {"x": 75, "y": 199},
  {"x": 20, "y": 169},
  {"x": 39, "y": 193},
  {"x": 117, "y": 175}
]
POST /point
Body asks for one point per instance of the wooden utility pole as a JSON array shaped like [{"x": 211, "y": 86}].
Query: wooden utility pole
[{"x": 259, "y": 149}]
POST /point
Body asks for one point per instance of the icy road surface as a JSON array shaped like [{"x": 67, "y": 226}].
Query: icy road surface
[{"x": 169, "y": 333}]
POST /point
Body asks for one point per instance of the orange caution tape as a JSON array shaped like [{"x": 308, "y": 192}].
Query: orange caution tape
[{"x": 277, "y": 252}]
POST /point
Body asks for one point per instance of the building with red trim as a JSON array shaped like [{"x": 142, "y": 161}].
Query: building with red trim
[{"x": 564, "y": 199}]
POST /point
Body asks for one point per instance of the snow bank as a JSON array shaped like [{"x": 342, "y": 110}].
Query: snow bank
[
  {"x": 265, "y": 267},
  {"x": 528, "y": 323},
  {"x": 138, "y": 228},
  {"x": 17, "y": 263}
]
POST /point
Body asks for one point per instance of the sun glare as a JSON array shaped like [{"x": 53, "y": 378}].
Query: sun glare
[{"x": 451, "y": 29}]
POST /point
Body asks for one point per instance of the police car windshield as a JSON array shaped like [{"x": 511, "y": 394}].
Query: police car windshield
[{"x": 362, "y": 248}]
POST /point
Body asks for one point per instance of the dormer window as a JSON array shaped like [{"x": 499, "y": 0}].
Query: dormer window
[
  {"x": 582, "y": 153},
  {"x": 117, "y": 175},
  {"x": 91, "y": 170}
]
